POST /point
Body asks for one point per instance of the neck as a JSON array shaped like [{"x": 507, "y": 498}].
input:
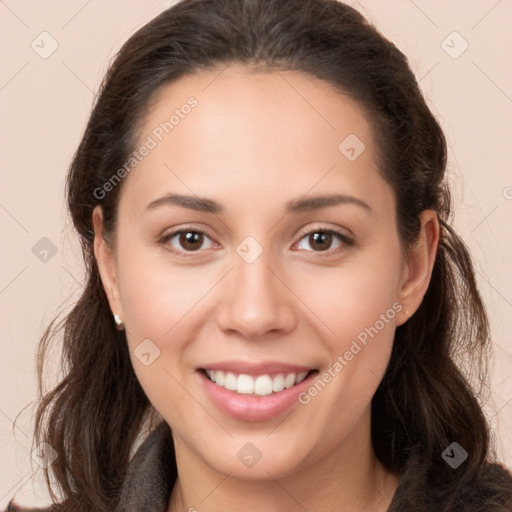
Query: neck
[{"x": 349, "y": 478}]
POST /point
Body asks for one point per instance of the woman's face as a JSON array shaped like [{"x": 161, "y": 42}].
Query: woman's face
[{"x": 279, "y": 284}]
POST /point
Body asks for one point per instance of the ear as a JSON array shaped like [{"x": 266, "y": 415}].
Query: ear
[
  {"x": 419, "y": 264},
  {"x": 106, "y": 263}
]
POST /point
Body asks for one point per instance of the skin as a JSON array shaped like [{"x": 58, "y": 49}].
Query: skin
[{"x": 254, "y": 142}]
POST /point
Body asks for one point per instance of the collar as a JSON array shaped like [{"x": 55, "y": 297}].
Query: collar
[{"x": 152, "y": 473}]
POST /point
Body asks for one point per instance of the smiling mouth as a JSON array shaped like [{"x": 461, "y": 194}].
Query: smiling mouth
[{"x": 261, "y": 385}]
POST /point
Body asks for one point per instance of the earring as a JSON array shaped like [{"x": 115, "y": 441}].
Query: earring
[{"x": 119, "y": 323}]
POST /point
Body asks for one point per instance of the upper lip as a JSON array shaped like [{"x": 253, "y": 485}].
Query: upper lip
[{"x": 261, "y": 368}]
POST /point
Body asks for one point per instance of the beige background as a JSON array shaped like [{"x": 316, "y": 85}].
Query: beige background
[{"x": 45, "y": 103}]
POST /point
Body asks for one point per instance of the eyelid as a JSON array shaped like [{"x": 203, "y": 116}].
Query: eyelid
[
  {"x": 168, "y": 236},
  {"x": 325, "y": 228},
  {"x": 347, "y": 240}
]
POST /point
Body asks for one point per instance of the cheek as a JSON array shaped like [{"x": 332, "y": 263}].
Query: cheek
[
  {"x": 164, "y": 303},
  {"x": 158, "y": 304},
  {"x": 354, "y": 295},
  {"x": 156, "y": 293},
  {"x": 358, "y": 304}
]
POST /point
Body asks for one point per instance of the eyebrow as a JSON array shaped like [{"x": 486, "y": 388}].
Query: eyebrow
[{"x": 204, "y": 204}]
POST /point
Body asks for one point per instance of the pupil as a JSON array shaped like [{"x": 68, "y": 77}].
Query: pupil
[
  {"x": 189, "y": 238},
  {"x": 322, "y": 236}
]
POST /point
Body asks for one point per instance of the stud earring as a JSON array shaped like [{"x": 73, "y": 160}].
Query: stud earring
[{"x": 119, "y": 323}]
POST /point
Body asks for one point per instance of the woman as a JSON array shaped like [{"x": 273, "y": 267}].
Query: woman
[{"x": 274, "y": 293}]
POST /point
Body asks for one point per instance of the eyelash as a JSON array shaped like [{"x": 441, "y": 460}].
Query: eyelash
[{"x": 348, "y": 242}]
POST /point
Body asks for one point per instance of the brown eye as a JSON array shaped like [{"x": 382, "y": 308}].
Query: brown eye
[
  {"x": 321, "y": 240},
  {"x": 185, "y": 241},
  {"x": 191, "y": 240}
]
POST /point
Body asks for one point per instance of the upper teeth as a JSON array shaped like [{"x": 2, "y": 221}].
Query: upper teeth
[{"x": 261, "y": 385}]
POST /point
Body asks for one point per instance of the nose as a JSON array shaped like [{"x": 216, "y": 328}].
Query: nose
[{"x": 256, "y": 299}]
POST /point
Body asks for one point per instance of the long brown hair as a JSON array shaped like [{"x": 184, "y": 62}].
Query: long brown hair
[{"x": 94, "y": 416}]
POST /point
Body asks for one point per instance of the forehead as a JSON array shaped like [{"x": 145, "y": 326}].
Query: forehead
[
  {"x": 256, "y": 133},
  {"x": 290, "y": 103}
]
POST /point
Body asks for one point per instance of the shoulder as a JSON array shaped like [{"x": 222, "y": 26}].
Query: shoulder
[
  {"x": 148, "y": 481},
  {"x": 489, "y": 491}
]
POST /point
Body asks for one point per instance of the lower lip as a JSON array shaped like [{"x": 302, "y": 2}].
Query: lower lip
[{"x": 254, "y": 408}]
